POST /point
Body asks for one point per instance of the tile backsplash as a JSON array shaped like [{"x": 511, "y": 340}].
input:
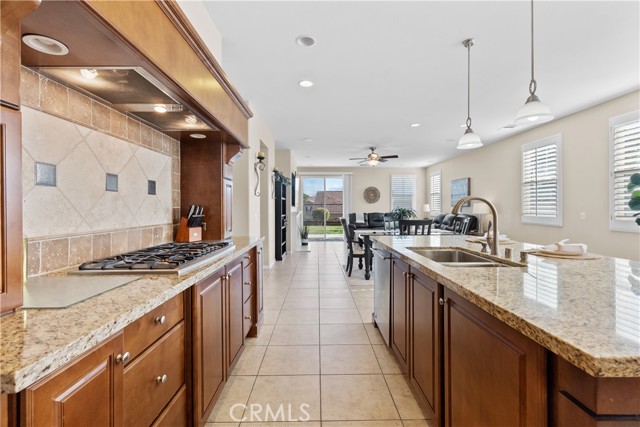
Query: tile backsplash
[{"x": 89, "y": 147}]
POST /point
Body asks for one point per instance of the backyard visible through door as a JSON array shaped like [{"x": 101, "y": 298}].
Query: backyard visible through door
[{"x": 322, "y": 203}]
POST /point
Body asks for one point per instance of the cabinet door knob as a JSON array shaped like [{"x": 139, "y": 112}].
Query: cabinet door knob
[
  {"x": 247, "y": 317},
  {"x": 247, "y": 283},
  {"x": 161, "y": 319},
  {"x": 248, "y": 258},
  {"x": 443, "y": 301},
  {"x": 162, "y": 379},
  {"x": 123, "y": 358}
]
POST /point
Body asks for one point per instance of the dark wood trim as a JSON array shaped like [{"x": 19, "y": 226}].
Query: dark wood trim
[{"x": 181, "y": 22}]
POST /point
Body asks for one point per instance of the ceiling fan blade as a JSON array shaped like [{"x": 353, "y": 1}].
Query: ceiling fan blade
[
  {"x": 358, "y": 158},
  {"x": 383, "y": 160},
  {"x": 393, "y": 156}
]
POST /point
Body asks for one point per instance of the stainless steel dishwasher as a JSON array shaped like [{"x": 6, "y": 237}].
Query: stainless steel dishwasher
[{"x": 382, "y": 291}]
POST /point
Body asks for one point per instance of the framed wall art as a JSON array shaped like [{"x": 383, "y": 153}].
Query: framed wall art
[{"x": 459, "y": 189}]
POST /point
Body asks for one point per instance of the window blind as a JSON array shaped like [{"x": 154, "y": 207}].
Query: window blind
[
  {"x": 435, "y": 193},
  {"x": 403, "y": 189},
  {"x": 541, "y": 183},
  {"x": 626, "y": 161}
]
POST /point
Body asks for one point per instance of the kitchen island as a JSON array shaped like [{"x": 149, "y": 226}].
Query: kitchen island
[
  {"x": 38, "y": 343},
  {"x": 561, "y": 335}
]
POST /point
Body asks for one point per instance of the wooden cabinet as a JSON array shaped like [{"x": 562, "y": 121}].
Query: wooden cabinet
[
  {"x": 235, "y": 310},
  {"x": 11, "y": 251},
  {"x": 208, "y": 340},
  {"x": 87, "y": 391},
  {"x": 259, "y": 284},
  {"x": 227, "y": 204},
  {"x": 426, "y": 341},
  {"x": 493, "y": 375},
  {"x": 400, "y": 311},
  {"x": 281, "y": 219}
]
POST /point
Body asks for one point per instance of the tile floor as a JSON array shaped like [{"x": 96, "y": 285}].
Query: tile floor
[{"x": 318, "y": 360}]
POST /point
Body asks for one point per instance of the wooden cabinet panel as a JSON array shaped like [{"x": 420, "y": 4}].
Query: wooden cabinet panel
[
  {"x": 208, "y": 321},
  {"x": 247, "y": 320},
  {"x": 259, "y": 280},
  {"x": 399, "y": 312},
  {"x": 175, "y": 414},
  {"x": 235, "y": 307},
  {"x": 144, "y": 331},
  {"x": 493, "y": 374},
  {"x": 227, "y": 204},
  {"x": 426, "y": 341},
  {"x": 86, "y": 392},
  {"x": 10, "y": 210},
  {"x": 151, "y": 380}
]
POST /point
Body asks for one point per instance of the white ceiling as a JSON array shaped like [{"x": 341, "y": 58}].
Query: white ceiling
[{"x": 380, "y": 65}]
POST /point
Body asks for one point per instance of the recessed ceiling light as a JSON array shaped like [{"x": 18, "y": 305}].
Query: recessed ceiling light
[
  {"x": 305, "y": 83},
  {"x": 464, "y": 125},
  {"x": 307, "y": 140},
  {"x": 159, "y": 108},
  {"x": 305, "y": 41},
  {"x": 89, "y": 73},
  {"x": 198, "y": 136},
  {"x": 415, "y": 125},
  {"x": 45, "y": 44}
]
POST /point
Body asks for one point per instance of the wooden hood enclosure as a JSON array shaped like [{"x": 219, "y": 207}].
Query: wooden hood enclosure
[{"x": 152, "y": 35}]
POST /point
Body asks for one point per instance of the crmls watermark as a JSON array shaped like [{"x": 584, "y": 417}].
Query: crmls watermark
[{"x": 257, "y": 412}]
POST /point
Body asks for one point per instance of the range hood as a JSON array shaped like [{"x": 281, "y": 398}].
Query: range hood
[{"x": 132, "y": 91}]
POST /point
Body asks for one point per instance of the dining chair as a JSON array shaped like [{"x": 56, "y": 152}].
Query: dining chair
[
  {"x": 352, "y": 252},
  {"x": 407, "y": 225},
  {"x": 461, "y": 225},
  {"x": 390, "y": 222}
]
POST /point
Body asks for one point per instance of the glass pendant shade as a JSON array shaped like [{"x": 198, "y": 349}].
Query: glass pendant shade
[
  {"x": 533, "y": 111},
  {"x": 469, "y": 140},
  {"x": 372, "y": 162}
]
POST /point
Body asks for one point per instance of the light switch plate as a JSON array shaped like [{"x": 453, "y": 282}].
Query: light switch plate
[
  {"x": 112, "y": 182},
  {"x": 151, "y": 187},
  {"x": 45, "y": 174}
]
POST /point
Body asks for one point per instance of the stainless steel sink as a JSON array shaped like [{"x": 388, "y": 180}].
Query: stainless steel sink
[{"x": 458, "y": 258}]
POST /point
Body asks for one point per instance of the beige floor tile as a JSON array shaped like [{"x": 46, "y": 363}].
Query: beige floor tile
[
  {"x": 250, "y": 360},
  {"x": 276, "y": 424},
  {"x": 348, "y": 359},
  {"x": 304, "y": 285},
  {"x": 419, "y": 423},
  {"x": 236, "y": 391},
  {"x": 333, "y": 284},
  {"x": 299, "y": 317},
  {"x": 366, "y": 314},
  {"x": 295, "y": 335},
  {"x": 290, "y": 391},
  {"x": 351, "y": 333},
  {"x": 291, "y": 360},
  {"x": 364, "y": 301},
  {"x": 335, "y": 293},
  {"x": 337, "y": 303},
  {"x": 395, "y": 423},
  {"x": 275, "y": 292},
  {"x": 300, "y": 302},
  {"x": 273, "y": 303},
  {"x": 403, "y": 397},
  {"x": 270, "y": 316},
  {"x": 264, "y": 336},
  {"x": 356, "y": 397},
  {"x": 374, "y": 334},
  {"x": 302, "y": 292},
  {"x": 387, "y": 359},
  {"x": 339, "y": 315}
]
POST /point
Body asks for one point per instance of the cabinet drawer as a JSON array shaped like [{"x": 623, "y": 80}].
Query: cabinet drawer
[
  {"x": 247, "y": 283},
  {"x": 247, "y": 316},
  {"x": 145, "y": 393},
  {"x": 175, "y": 414},
  {"x": 144, "y": 331}
]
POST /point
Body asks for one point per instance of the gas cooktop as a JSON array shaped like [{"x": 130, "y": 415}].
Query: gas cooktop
[{"x": 172, "y": 258}]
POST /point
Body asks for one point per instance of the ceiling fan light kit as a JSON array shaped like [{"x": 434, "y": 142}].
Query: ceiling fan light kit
[
  {"x": 533, "y": 111},
  {"x": 469, "y": 140},
  {"x": 373, "y": 158}
]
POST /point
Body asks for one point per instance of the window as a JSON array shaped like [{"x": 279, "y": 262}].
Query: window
[
  {"x": 624, "y": 148},
  {"x": 403, "y": 191},
  {"x": 542, "y": 182},
  {"x": 435, "y": 192}
]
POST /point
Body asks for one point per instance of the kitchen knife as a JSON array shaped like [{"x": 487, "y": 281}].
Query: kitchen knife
[{"x": 192, "y": 212}]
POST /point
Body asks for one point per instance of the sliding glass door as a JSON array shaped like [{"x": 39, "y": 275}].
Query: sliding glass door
[{"x": 322, "y": 203}]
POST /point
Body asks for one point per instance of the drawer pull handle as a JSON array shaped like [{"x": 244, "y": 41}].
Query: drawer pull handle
[
  {"x": 161, "y": 319},
  {"x": 247, "y": 283},
  {"x": 162, "y": 379},
  {"x": 247, "y": 317},
  {"x": 248, "y": 258},
  {"x": 123, "y": 358}
]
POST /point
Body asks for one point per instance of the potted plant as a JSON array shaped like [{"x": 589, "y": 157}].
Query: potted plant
[
  {"x": 404, "y": 213},
  {"x": 304, "y": 235},
  {"x": 634, "y": 202}
]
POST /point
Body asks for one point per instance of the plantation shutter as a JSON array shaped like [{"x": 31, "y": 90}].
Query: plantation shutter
[
  {"x": 435, "y": 189},
  {"x": 403, "y": 189},
  {"x": 626, "y": 161},
  {"x": 541, "y": 190}
]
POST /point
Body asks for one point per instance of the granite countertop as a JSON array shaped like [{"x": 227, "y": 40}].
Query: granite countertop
[
  {"x": 35, "y": 342},
  {"x": 585, "y": 311}
]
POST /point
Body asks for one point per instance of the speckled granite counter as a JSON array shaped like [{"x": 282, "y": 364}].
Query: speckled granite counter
[
  {"x": 37, "y": 342},
  {"x": 586, "y": 311}
]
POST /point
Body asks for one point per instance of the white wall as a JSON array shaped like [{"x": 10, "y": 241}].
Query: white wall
[
  {"x": 495, "y": 174},
  {"x": 380, "y": 177},
  {"x": 199, "y": 17},
  {"x": 286, "y": 163}
]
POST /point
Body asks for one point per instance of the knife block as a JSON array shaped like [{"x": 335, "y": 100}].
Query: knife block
[{"x": 188, "y": 234}]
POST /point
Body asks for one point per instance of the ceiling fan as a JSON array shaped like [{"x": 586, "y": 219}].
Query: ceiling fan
[{"x": 373, "y": 158}]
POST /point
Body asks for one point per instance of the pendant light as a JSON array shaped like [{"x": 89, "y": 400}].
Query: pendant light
[
  {"x": 469, "y": 139},
  {"x": 533, "y": 110}
]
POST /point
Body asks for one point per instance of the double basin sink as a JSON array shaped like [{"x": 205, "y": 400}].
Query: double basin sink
[{"x": 460, "y": 258}]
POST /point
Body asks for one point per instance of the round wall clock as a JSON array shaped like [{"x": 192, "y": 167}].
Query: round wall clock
[{"x": 371, "y": 194}]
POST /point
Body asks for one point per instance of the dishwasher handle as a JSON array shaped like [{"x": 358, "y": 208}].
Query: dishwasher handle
[{"x": 382, "y": 254}]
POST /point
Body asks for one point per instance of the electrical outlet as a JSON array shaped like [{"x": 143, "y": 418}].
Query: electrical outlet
[{"x": 583, "y": 216}]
